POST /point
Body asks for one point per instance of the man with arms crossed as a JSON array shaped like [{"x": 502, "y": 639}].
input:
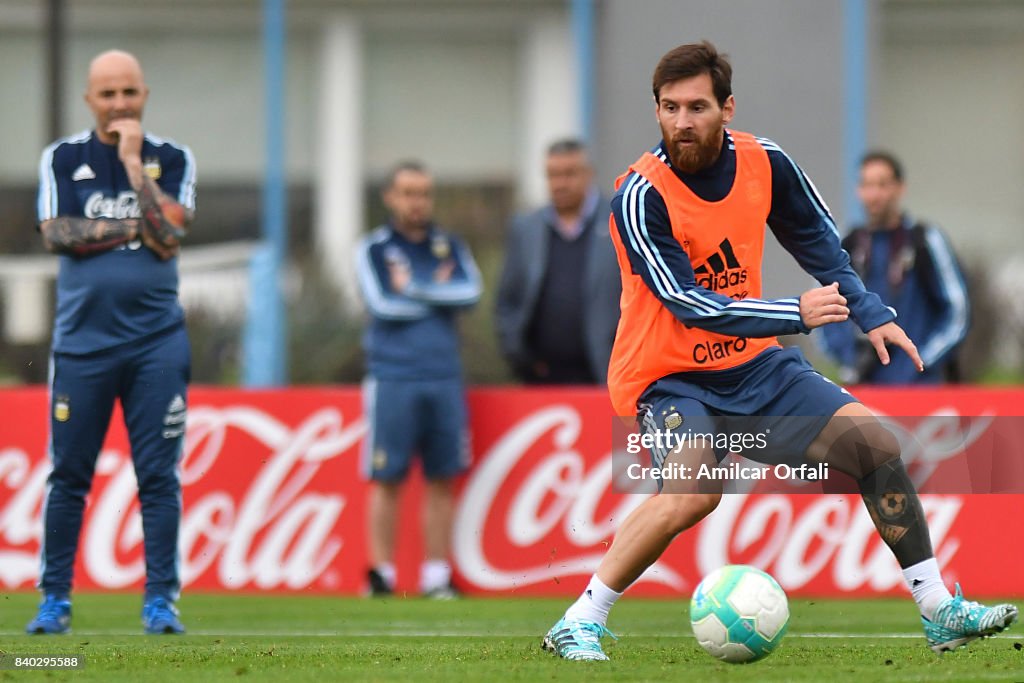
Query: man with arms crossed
[
  {"x": 695, "y": 342},
  {"x": 113, "y": 203},
  {"x": 415, "y": 279}
]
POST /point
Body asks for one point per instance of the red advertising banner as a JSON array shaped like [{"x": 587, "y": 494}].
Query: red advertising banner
[{"x": 273, "y": 500}]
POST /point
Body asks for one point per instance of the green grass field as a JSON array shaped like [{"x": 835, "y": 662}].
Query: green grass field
[{"x": 321, "y": 638}]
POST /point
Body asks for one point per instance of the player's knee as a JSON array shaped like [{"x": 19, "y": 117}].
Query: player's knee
[
  {"x": 70, "y": 481},
  {"x": 885, "y": 444},
  {"x": 707, "y": 503},
  {"x": 874, "y": 446}
]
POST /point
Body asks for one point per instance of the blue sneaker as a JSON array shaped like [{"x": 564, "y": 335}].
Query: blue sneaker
[
  {"x": 160, "y": 616},
  {"x": 54, "y": 616},
  {"x": 957, "y": 622},
  {"x": 577, "y": 640}
]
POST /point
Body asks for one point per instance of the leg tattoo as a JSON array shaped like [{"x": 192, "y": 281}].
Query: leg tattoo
[{"x": 895, "y": 508}]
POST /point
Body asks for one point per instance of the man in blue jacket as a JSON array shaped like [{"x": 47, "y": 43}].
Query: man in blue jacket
[
  {"x": 113, "y": 203},
  {"x": 414, "y": 278},
  {"x": 911, "y": 266}
]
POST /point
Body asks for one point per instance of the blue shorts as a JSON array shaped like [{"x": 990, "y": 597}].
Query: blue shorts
[
  {"x": 415, "y": 416},
  {"x": 769, "y": 409}
]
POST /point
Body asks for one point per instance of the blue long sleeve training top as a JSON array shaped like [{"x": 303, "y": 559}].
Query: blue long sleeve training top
[{"x": 412, "y": 333}]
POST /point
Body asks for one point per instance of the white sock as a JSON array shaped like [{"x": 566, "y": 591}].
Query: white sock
[
  {"x": 594, "y": 604},
  {"x": 388, "y": 573},
  {"x": 435, "y": 574},
  {"x": 925, "y": 584}
]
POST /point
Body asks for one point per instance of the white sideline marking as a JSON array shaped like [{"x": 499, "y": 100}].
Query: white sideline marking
[{"x": 444, "y": 634}]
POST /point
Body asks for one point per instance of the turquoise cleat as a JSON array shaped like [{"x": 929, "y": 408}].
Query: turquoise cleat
[
  {"x": 577, "y": 640},
  {"x": 53, "y": 617},
  {"x": 957, "y": 622}
]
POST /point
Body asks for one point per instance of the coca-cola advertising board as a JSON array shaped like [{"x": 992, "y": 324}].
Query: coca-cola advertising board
[{"x": 274, "y": 500}]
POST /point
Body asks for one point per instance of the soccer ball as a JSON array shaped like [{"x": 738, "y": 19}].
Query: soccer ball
[{"x": 739, "y": 614}]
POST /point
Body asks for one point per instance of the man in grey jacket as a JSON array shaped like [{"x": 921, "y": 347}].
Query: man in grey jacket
[{"x": 558, "y": 300}]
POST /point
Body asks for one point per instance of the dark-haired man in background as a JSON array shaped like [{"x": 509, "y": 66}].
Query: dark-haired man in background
[
  {"x": 911, "y": 266},
  {"x": 415, "y": 278}
]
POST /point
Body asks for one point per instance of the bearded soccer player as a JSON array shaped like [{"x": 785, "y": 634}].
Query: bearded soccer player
[
  {"x": 113, "y": 203},
  {"x": 695, "y": 342}
]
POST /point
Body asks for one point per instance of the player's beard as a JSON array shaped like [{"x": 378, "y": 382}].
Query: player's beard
[{"x": 693, "y": 158}]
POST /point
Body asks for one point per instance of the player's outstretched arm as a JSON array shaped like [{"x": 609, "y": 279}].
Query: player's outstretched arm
[
  {"x": 824, "y": 305},
  {"x": 86, "y": 236},
  {"x": 803, "y": 224}
]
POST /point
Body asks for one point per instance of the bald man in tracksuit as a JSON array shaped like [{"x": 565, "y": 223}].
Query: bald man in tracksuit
[{"x": 113, "y": 203}]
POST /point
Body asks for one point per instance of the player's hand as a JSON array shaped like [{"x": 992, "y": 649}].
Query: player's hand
[
  {"x": 891, "y": 333},
  {"x": 129, "y": 148},
  {"x": 823, "y": 305},
  {"x": 162, "y": 250},
  {"x": 129, "y": 139}
]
